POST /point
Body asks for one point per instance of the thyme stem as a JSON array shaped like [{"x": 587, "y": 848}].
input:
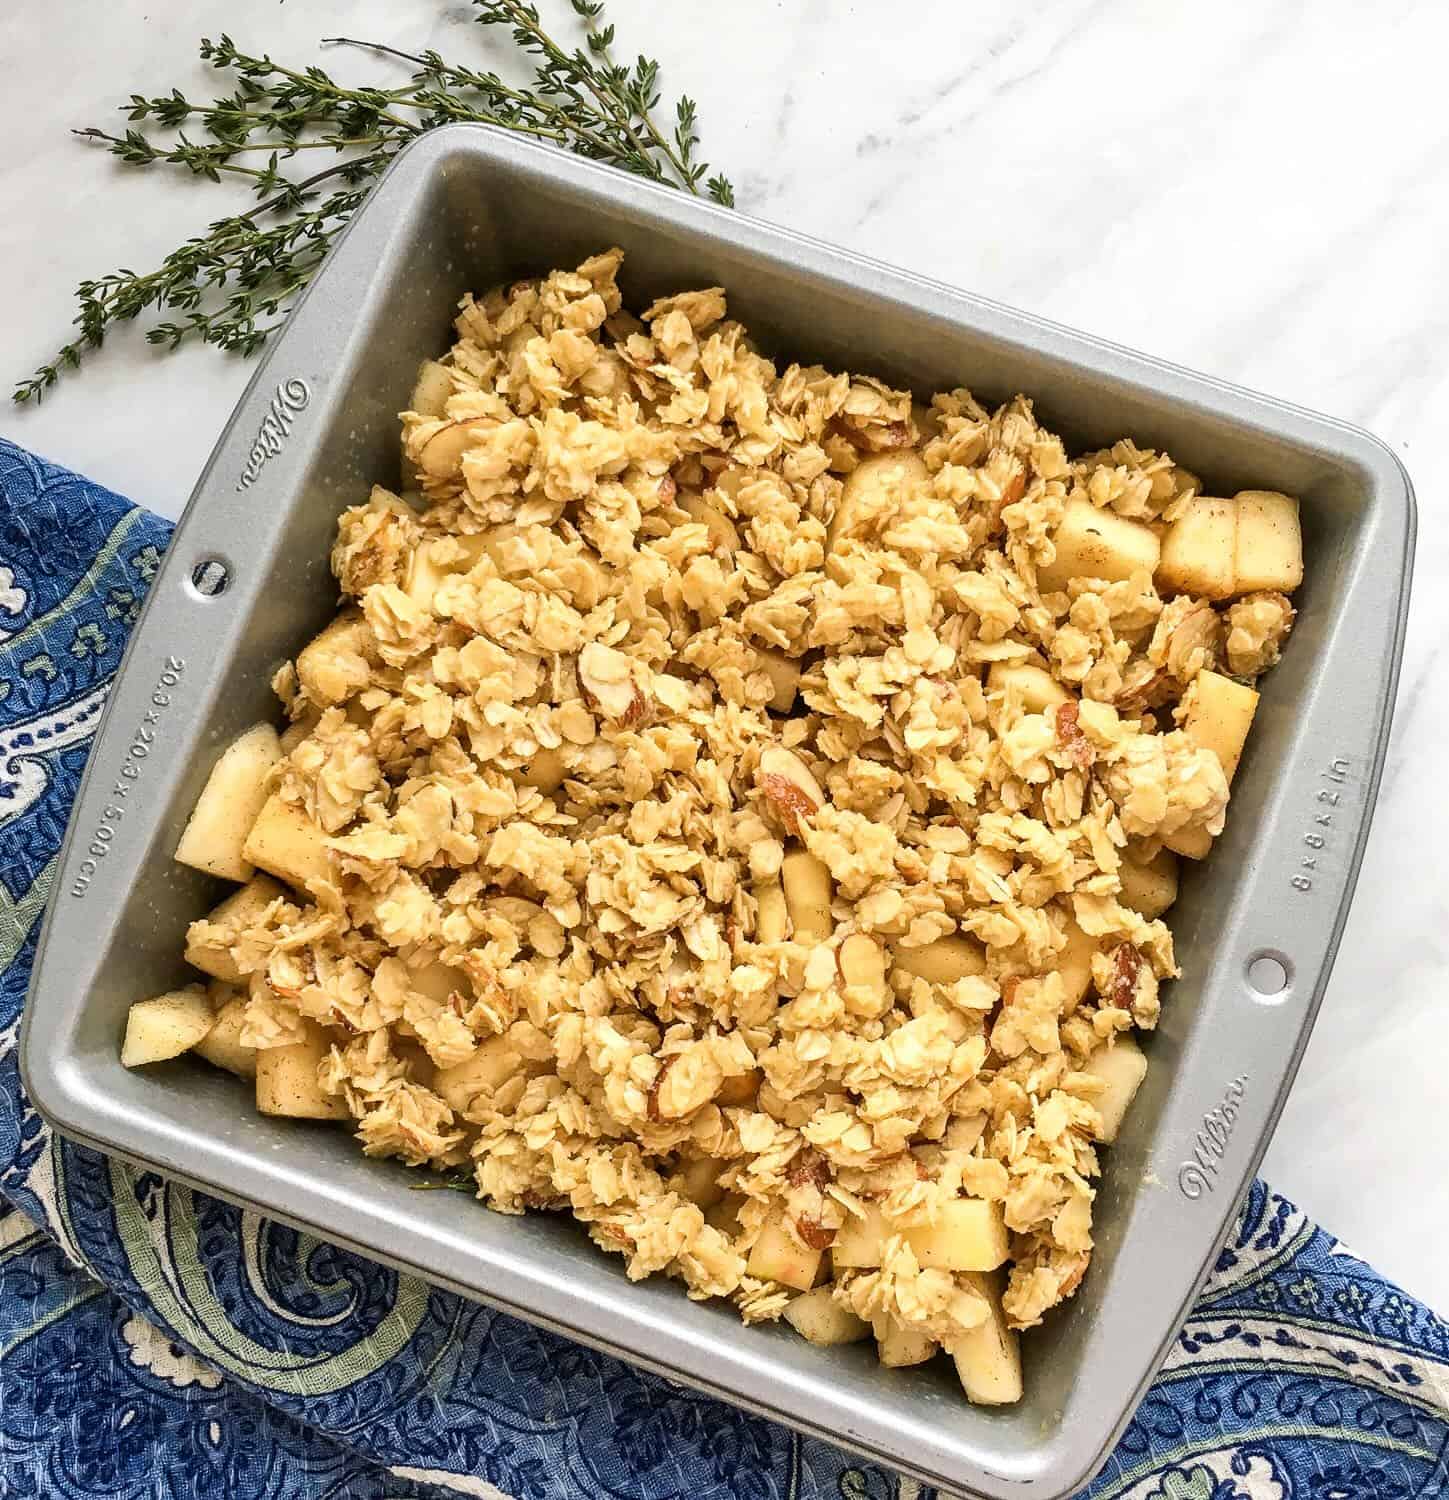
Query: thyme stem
[{"x": 232, "y": 285}]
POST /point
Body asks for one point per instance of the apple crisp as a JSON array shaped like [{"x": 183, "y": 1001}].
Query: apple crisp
[{"x": 736, "y": 806}]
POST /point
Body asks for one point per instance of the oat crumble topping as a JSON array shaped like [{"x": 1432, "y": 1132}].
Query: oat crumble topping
[{"x": 724, "y": 816}]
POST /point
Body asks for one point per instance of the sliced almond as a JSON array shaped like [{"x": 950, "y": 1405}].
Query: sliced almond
[
  {"x": 442, "y": 454},
  {"x": 784, "y": 674},
  {"x": 607, "y": 679},
  {"x": 791, "y": 791}
]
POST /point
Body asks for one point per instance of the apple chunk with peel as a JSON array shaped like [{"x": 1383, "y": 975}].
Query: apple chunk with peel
[
  {"x": 165, "y": 1026},
  {"x": 239, "y": 910},
  {"x": 1120, "y": 1066},
  {"x": 898, "y": 1344},
  {"x": 229, "y": 804},
  {"x": 222, "y": 1046},
  {"x": 1036, "y": 687},
  {"x": 988, "y": 1357},
  {"x": 1198, "y": 550},
  {"x": 1094, "y": 543},
  {"x": 287, "y": 1079},
  {"x": 818, "y": 1318},
  {"x": 1269, "y": 550},
  {"x": 286, "y": 843},
  {"x": 778, "y": 1256}
]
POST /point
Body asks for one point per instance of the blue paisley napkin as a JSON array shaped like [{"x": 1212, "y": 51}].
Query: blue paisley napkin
[{"x": 155, "y": 1341}]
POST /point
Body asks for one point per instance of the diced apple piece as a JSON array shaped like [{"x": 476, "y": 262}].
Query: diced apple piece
[
  {"x": 927, "y": 420},
  {"x": 165, "y": 1026},
  {"x": 725, "y": 1215},
  {"x": 491, "y": 1066},
  {"x": 1121, "y": 1067},
  {"x": 1269, "y": 552},
  {"x": 287, "y": 1079},
  {"x": 784, "y": 674},
  {"x": 1094, "y": 543},
  {"x": 898, "y": 1344},
  {"x": 1149, "y": 888},
  {"x": 868, "y": 486},
  {"x": 222, "y": 1045},
  {"x": 421, "y": 1068},
  {"x": 286, "y": 843},
  {"x": 1074, "y": 964},
  {"x": 858, "y": 1241},
  {"x": 298, "y": 730},
  {"x": 772, "y": 919},
  {"x": 333, "y": 665},
  {"x": 808, "y": 891},
  {"x": 1198, "y": 550},
  {"x": 239, "y": 910},
  {"x": 1217, "y": 714},
  {"x": 778, "y": 1256},
  {"x": 943, "y": 961},
  {"x": 439, "y": 982},
  {"x": 432, "y": 390},
  {"x": 698, "y": 1180},
  {"x": 1036, "y": 687},
  {"x": 988, "y": 1358},
  {"x": 969, "y": 1235},
  {"x": 229, "y": 804},
  {"x": 818, "y": 1318},
  {"x": 1191, "y": 843}
]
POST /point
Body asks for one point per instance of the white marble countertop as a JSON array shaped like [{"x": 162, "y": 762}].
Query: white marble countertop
[{"x": 1260, "y": 192}]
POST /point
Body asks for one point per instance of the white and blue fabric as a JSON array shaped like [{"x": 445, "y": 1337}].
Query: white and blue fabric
[{"x": 157, "y": 1342}]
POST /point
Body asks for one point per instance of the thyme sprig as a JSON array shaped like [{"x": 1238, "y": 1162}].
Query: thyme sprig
[{"x": 232, "y": 286}]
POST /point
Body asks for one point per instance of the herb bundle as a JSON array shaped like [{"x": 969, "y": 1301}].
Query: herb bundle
[{"x": 232, "y": 286}]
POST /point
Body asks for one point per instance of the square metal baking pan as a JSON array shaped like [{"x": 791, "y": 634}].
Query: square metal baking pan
[{"x": 462, "y": 209}]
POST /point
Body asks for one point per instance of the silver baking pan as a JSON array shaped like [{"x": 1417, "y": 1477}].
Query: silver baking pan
[{"x": 466, "y": 207}]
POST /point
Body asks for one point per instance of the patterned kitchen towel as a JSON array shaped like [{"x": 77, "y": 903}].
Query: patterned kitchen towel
[{"x": 155, "y": 1341}]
